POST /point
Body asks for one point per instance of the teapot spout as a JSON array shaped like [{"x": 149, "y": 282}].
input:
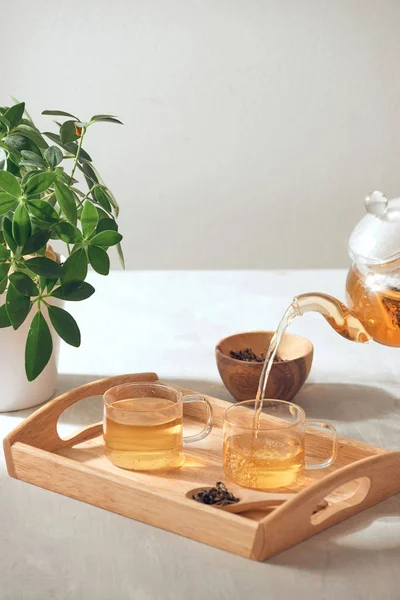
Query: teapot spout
[{"x": 339, "y": 317}]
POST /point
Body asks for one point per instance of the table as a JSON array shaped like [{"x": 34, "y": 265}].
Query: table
[{"x": 56, "y": 548}]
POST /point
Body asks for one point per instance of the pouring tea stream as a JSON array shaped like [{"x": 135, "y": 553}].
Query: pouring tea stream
[{"x": 372, "y": 288}]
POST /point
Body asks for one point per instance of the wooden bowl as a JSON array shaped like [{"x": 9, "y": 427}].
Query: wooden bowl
[{"x": 286, "y": 378}]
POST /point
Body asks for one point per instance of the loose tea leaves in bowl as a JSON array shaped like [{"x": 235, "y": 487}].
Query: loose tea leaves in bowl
[
  {"x": 247, "y": 355},
  {"x": 218, "y": 495}
]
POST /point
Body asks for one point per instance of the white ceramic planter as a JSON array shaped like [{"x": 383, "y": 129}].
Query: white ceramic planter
[{"x": 16, "y": 392}]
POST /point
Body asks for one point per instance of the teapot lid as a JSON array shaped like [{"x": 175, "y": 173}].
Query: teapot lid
[{"x": 376, "y": 238}]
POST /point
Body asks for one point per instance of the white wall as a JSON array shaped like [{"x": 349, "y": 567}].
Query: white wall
[{"x": 253, "y": 129}]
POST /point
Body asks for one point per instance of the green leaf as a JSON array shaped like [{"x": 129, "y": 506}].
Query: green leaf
[
  {"x": 106, "y": 118},
  {"x": 65, "y": 325},
  {"x": 67, "y": 132},
  {"x": 84, "y": 157},
  {"x": 36, "y": 242},
  {"x": 3, "y": 285},
  {"x": 32, "y": 134},
  {"x": 59, "y": 113},
  {"x": 67, "y": 232},
  {"x": 12, "y": 165},
  {"x": 54, "y": 156},
  {"x": 99, "y": 260},
  {"x": 102, "y": 213},
  {"x": 74, "y": 292},
  {"x": 67, "y": 201},
  {"x": 39, "y": 346},
  {"x": 32, "y": 160},
  {"x": 3, "y": 159},
  {"x": 20, "y": 141},
  {"x": 14, "y": 114},
  {"x": 106, "y": 225},
  {"x": 24, "y": 284},
  {"x": 43, "y": 210},
  {"x": 7, "y": 203},
  {"x": 54, "y": 137},
  {"x": 114, "y": 203},
  {"x": 18, "y": 306},
  {"x": 27, "y": 164},
  {"x": 89, "y": 218},
  {"x": 45, "y": 267},
  {"x": 89, "y": 173},
  {"x": 102, "y": 198},
  {"x": 27, "y": 120},
  {"x": 4, "y": 318},
  {"x": 4, "y": 253},
  {"x": 4, "y": 268},
  {"x": 28, "y": 175},
  {"x": 9, "y": 183},
  {"x": 22, "y": 227},
  {"x": 6, "y": 123},
  {"x": 120, "y": 255},
  {"x": 39, "y": 183},
  {"x": 71, "y": 147},
  {"x": 63, "y": 176},
  {"x": 106, "y": 238},
  {"x": 7, "y": 232},
  {"x": 75, "y": 267},
  {"x": 50, "y": 283}
]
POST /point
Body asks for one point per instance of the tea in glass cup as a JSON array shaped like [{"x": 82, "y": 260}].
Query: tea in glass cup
[
  {"x": 272, "y": 454},
  {"x": 143, "y": 426}
]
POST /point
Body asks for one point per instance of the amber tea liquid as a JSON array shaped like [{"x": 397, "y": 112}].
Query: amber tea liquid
[
  {"x": 376, "y": 305},
  {"x": 143, "y": 433},
  {"x": 262, "y": 462}
]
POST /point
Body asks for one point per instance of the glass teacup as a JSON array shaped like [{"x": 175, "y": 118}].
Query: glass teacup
[
  {"x": 143, "y": 425},
  {"x": 271, "y": 455}
]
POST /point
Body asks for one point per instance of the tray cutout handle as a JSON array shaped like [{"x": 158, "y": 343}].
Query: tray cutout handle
[
  {"x": 40, "y": 428},
  {"x": 347, "y": 500},
  {"x": 294, "y": 521}
]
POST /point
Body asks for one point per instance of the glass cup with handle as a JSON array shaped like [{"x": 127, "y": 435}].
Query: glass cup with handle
[
  {"x": 143, "y": 426},
  {"x": 272, "y": 454}
]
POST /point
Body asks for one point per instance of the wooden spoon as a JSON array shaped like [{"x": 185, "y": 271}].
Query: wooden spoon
[{"x": 252, "y": 499}]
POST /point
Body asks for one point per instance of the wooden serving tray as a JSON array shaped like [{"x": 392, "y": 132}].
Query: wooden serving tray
[{"x": 77, "y": 467}]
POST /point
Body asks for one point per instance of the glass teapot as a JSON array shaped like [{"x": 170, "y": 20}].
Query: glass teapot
[{"x": 373, "y": 281}]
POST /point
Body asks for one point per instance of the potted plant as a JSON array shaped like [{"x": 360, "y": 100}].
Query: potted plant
[{"x": 42, "y": 200}]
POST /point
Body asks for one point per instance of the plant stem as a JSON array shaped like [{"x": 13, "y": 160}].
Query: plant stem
[
  {"x": 47, "y": 196},
  {"x": 77, "y": 155},
  {"x": 90, "y": 191}
]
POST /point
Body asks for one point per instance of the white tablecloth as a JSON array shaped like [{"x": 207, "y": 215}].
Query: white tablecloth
[{"x": 56, "y": 548}]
